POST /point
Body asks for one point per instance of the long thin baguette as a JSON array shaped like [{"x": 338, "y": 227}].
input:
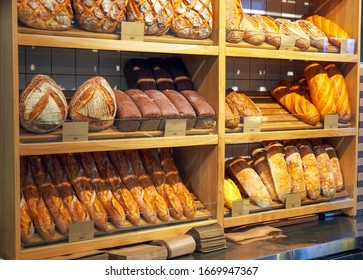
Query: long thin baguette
[
  {"x": 26, "y": 223},
  {"x": 337, "y": 172},
  {"x": 114, "y": 210},
  {"x": 119, "y": 190},
  {"x": 124, "y": 169},
  {"x": 85, "y": 190}
]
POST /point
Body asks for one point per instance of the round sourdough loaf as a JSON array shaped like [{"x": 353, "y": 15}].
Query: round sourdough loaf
[
  {"x": 42, "y": 105},
  {"x": 94, "y": 102}
]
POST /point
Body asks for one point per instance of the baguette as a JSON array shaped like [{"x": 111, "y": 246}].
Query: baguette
[
  {"x": 38, "y": 211},
  {"x": 64, "y": 187},
  {"x": 252, "y": 184},
  {"x": 26, "y": 223},
  {"x": 124, "y": 169},
  {"x": 85, "y": 190},
  {"x": 113, "y": 208},
  {"x": 158, "y": 202},
  {"x": 337, "y": 172},
  {"x": 172, "y": 175},
  {"x": 60, "y": 214},
  {"x": 154, "y": 169},
  {"x": 118, "y": 189}
]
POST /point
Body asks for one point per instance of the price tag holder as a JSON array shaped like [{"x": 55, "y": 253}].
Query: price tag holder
[
  {"x": 293, "y": 200},
  {"x": 75, "y": 131},
  {"x": 132, "y": 31},
  {"x": 287, "y": 43},
  {"x": 347, "y": 46},
  {"x": 330, "y": 121},
  {"x": 175, "y": 127},
  {"x": 81, "y": 231},
  {"x": 240, "y": 207},
  {"x": 252, "y": 124}
]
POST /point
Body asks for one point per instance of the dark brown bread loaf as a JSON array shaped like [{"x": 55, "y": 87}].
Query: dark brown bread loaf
[
  {"x": 162, "y": 73},
  {"x": 128, "y": 116},
  {"x": 139, "y": 74},
  {"x": 180, "y": 74}
]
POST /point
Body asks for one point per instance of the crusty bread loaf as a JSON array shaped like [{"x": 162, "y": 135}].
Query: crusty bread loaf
[
  {"x": 117, "y": 187},
  {"x": 252, "y": 184},
  {"x": 100, "y": 16},
  {"x": 320, "y": 90},
  {"x": 270, "y": 28},
  {"x": 42, "y": 105},
  {"x": 181, "y": 77},
  {"x": 232, "y": 118},
  {"x": 339, "y": 86},
  {"x": 192, "y": 19},
  {"x": 296, "y": 103},
  {"x": 124, "y": 169},
  {"x": 156, "y": 15},
  {"x": 253, "y": 33},
  {"x": 337, "y": 172},
  {"x": 161, "y": 72},
  {"x": 45, "y": 14},
  {"x": 234, "y": 21},
  {"x": 38, "y": 211},
  {"x": 26, "y": 223},
  {"x": 85, "y": 190},
  {"x": 289, "y": 28},
  {"x": 244, "y": 104},
  {"x": 128, "y": 116},
  {"x": 317, "y": 37},
  {"x": 139, "y": 75},
  {"x": 94, "y": 102}
]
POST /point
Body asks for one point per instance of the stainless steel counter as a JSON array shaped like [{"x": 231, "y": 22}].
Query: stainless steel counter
[{"x": 329, "y": 237}]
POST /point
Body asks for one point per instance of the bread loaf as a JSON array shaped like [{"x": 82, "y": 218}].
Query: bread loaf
[
  {"x": 161, "y": 72},
  {"x": 262, "y": 168},
  {"x": 128, "y": 116},
  {"x": 181, "y": 77},
  {"x": 339, "y": 86},
  {"x": 234, "y": 21},
  {"x": 230, "y": 193},
  {"x": 279, "y": 171},
  {"x": 139, "y": 75},
  {"x": 124, "y": 169},
  {"x": 45, "y": 14},
  {"x": 155, "y": 171},
  {"x": 296, "y": 103},
  {"x": 157, "y": 15},
  {"x": 38, "y": 211},
  {"x": 320, "y": 89},
  {"x": 232, "y": 118},
  {"x": 244, "y": 105},
  {"x": 253, "y": 33},
  {"x": 252, "y": 184},
  {"x": 270, "y": 28},
  {"x": 94, "y": 102},
  {"x": 26, "y": 223},
  {"x": 192, "y": 19},
  {"x": 172, "y": 175},
  {"x": 317, "y": 37},
  {"x": 42, "y": 105},
  {"x": 117, "y": 187},
  {"x": 337, "y": 172},
  {"x": 100, "y": 16},
  {"x": 85, "y": 190},
  {"x": 289, "y": 28},
  {"x": 64, "y": 187},
  {"x": 303, "y": 88}
]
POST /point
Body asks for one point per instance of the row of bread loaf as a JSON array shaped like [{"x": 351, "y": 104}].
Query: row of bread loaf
[
  {"x": 311, "y": 30},
  {"x": 57, "y": 190},
  {"x": 310, "y": 168},
  {"x": 186, "y": 19}
]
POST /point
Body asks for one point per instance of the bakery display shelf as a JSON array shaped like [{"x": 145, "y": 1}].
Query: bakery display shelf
[{"x": 76, "y": 38}]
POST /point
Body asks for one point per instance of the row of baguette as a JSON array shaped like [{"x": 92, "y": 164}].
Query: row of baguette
[
  {"x": 186, "y": 19},
  {"x": 57, "y": 190},
  {"x": 310, "y": 168},
  {"x": 322, "y": 91},
  {"x": 311, "y": 30}
]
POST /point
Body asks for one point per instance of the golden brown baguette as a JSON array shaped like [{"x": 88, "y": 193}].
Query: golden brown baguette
[
  {"x": 85, "y": 190},
  {"x": 234, "y": 21},
  {"x": 114, "y": 209},
  {"x": 320, "y": 89},
  {"x": 252, "y": 184},
  {"x": 253, "y": 33},
  {"x": 64, "y": 187},
  {"x": 172, "y": 175},
  {"x": 337, "y": 172},
  {"x": 26, "y": 223},
  {"x": 154, "y": 169},
  {"x": 296, "y": 103},
  {"x": 60, "y": 213},
  {"x": 126, "y": 172},
  {"x": 117, "y": 187},
  {"x": 38, "y": 211},
  {"x": 339, "y": 86},
  {"x": 146, "y": 182}
]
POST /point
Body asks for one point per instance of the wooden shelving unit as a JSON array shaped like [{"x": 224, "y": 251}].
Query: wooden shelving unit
[{"x": 200, "y": 156}]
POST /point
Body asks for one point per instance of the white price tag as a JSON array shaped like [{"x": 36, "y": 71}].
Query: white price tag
[
  {"x": 175, "y": 127},
  {"x": 81, "y": 231},
  {"x": 293, "y": 200},
  {"x": 75, "y": 131},
  {"x": 287, "y": 42},
  {"x": 347, "y": 46},
  {"x": 252, "y": 124},
  {"x": 240, "y": 207},
  {"x": 132, "y": 31},
  {"x": 330, "y": 121}
]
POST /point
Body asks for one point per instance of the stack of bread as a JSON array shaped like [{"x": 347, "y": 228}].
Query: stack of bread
[
  {"x": 310, "y": 168},
  {"x": 105, "y": 187}
]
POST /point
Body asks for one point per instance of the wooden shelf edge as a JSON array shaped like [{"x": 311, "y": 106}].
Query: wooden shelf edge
[{"x": 133, "y": 237}]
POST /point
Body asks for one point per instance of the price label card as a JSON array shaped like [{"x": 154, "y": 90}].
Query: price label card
[
  {"x": 293, "y": 200},
  {"x": 330, "y": 121},
  {"x": 81, "y": 231},
  {"x": 175, "y": 127},
  {"x": 287, "y": 43},
  {"x": 347, "y": 45},
  {"x": 240, "y": 207},
  {"x": 75, "y": 131},
  {"x": 252, "y": 124},
  {"x": 132, "y": 31}
]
